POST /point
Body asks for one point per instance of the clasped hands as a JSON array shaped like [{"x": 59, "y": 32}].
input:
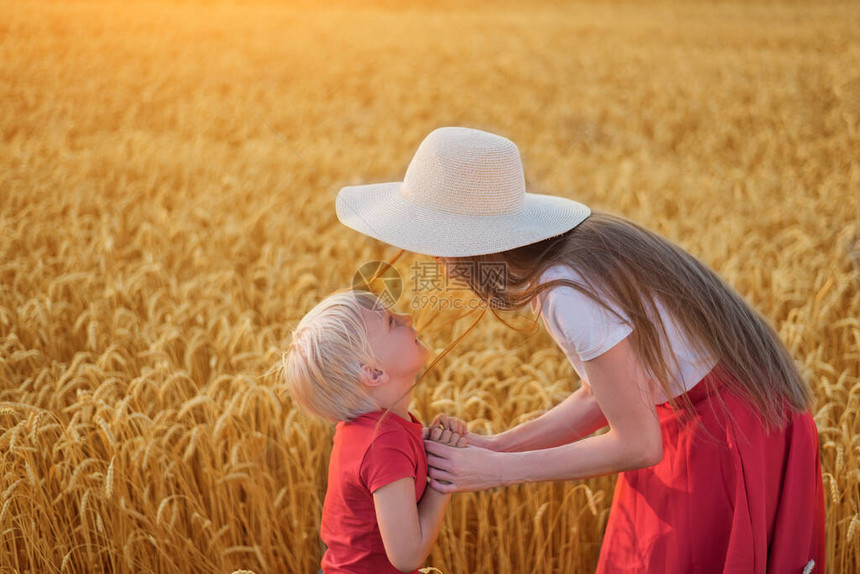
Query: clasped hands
[
  {"x": 446, "y": 430},
  {"x": 457, "y": 460}
]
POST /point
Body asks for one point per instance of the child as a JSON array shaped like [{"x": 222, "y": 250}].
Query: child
[{"x": 353, "y": 362}]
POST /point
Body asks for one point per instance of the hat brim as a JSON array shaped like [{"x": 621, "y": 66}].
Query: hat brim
[{"x": 379, "y": 211}]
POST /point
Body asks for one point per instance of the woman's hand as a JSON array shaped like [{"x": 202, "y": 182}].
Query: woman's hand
[
  {"x": 452, "y": 424},
  {"x": 463, "y": 469},
  {"x": 442, "y": 422},
  {"x": 444, "y": 436},
  {"x": 489, "y": 442},
  {"x": 446, "y": 430}
]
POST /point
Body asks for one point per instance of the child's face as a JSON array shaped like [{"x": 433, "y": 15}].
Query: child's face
[{"x": 395, "y": 343}]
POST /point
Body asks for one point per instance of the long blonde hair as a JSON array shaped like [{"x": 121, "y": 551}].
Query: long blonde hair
[{"x": 633, "y": 268}]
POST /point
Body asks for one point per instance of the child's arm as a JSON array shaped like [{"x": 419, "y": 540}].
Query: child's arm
[{"x": 408, "y": 530}]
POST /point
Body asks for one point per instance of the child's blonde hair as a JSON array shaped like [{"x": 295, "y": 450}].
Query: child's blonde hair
[{"x": 322, "y": 366}]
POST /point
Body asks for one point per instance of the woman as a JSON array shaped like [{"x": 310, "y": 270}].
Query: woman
[{"x": 708, "y": 416}]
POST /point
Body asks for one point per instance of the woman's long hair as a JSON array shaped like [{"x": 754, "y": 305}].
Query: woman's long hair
[{"x": 634, "y": 269}]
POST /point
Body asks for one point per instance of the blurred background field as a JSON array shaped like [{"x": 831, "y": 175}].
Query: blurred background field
[{"x": 158, "y": 240}]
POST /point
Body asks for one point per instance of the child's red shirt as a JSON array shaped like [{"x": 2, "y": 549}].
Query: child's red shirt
[{"x": 363, "y": 459}]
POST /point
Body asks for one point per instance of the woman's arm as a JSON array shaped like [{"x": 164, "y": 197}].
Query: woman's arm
[
  {"x": 634, "y": 439},
  {"x": 408, "y": 530},
  {"x": 574, "y": 418}
]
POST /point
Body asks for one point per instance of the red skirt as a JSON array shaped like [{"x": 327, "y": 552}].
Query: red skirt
[{"x": 726, "y": 497}]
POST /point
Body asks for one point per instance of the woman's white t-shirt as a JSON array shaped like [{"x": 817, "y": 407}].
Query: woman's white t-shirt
[{"x": 585, "y": 330}]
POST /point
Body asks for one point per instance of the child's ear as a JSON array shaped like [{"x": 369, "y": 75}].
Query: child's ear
[{"x": 372, "y": 376}]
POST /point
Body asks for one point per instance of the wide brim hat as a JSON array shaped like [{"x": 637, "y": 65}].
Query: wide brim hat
[{"x": 464, "y": 194}]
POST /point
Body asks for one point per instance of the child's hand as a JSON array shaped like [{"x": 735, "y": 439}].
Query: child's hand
[{"x": 446, "y": 430}]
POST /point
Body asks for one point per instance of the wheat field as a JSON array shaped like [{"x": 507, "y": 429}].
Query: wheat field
[{"x": 167, "y": 179}]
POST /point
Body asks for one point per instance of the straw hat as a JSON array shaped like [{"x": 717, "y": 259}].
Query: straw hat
[{"x": 464, "y": 194}]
